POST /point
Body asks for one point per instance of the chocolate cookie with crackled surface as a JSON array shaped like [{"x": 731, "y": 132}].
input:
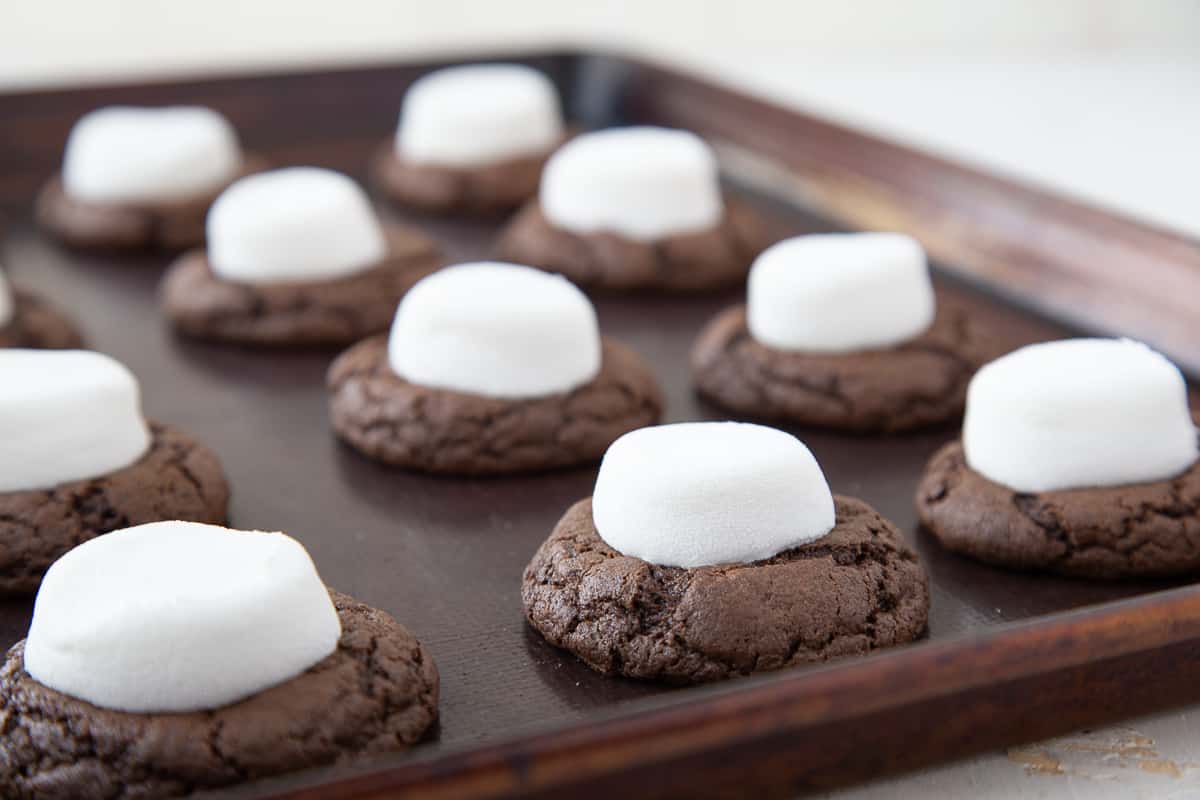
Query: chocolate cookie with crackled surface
[
  {"x": 472, "y": 140},
  {"x": 490, "y": 369},
  {"x": 319, "y": 678},
  {"x": 295, "y": 257},
  {"x": 636, "y": 209},
  {"x": 79, "y": 460},
  {"x": 712, "y": 550},
  {"x": 142, "y": 178},
  {"x": 1077, "y": 457},
  {"x": 841, "y": 331}
]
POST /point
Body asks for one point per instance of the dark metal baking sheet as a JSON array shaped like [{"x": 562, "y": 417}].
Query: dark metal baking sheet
[{"x": 445, "y": 555}]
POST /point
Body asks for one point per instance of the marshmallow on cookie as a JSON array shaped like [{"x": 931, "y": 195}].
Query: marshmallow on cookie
[
  {"x": 1079, "y": 413},
  {"x": 844, "y": 331},
  {"x": 490, "y": 368},
  {"x": 715, "y": 549},
  {"x": 643, "y": 183},
  {"x": 77, "y": 458},
  {"x": 636, "y": 208},
  {"x": 65, "y": 416},
  {"x": 497, "y": 330},
  {"x": 125, "y": 155},
  {"x": 700, "y": 493},
  {"x": 295, "y": 256},
  {"x": 136, "y": 178},
  {"x": 471, "y": 140},
  {"x": 150, "y": 618},
  {"x": 299, "y": 224},
  {"x": 185, "y": 657},
  {"x": 840, "y": 292},
  {"x": 478, "y": 114},
  {"x": 1077, "y": 457}
]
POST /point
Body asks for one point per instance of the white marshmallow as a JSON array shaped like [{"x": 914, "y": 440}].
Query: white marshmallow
[
  {"x": 294, "y": 224},
  {"x": 478, "y": 114},
  {"x": 124, "y": 154},
  {"x": 499, "y": 330},
  {"x": 698, "y": 493},
  {"x": 1078, "y": 413},
  {"x": 66, "y": 415},
  {"x": 7, "y": 304},
  {"x": 840, "y": 292},
  {"x": 643, "y": 183},
  {"x": 179, "y": 616}
]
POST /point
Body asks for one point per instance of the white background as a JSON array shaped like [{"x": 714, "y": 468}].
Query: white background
[{"x": 56, "y": 40}]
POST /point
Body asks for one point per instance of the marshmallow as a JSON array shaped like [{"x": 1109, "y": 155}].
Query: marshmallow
[
  {"x": 7, "y": 304},
  {"x": 498, "y": 330},
  {"x": 840, "y": 292},
  {"x": 698, "y": 493},
  {"x": 642, "y": 183},
  {"x": 123, "y": 154},
  {"x": 1078, "y": 413},
  {"x": 179, "y": 616},
  {"x": 294, "y": 224},
  {"x": 66, "y": 415},
  {"x": 479, "y": 114}
]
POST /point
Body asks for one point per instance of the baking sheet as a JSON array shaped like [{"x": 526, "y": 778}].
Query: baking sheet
[{"x": 445, "y": 556}]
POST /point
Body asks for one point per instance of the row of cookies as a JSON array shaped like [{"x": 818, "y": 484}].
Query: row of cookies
[
  {"x": 298, "y": 256},
  {"x": 795, "y": 353},
  {"x": 134, "y": 630},
  {"x": 123, "y": 684},
  {"x": 493, "y": 368},
  {"x": 708, "y": 550},
  {"x": 624, "y": 208},
  {"x": 666, "y": 572},
  {"x": 127, "y": 639}
]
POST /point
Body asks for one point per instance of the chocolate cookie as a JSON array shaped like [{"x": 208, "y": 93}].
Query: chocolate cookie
[
  {"x": 918, "y": 383},
  {"x": 378, "y": 692},
  {"x": 38, "y": 323},
  {"x": 709, "y": 259},
  {"x": 177, "y": 478},
  {"x": 340, "y": 311},
  {"x": 483, "y": 190},
  {"x": 169, "y": 225},
  {"x": 1138, "y": 531},
  {"x": 443, "y": 431},
  {"x": 855, "y": 590}
]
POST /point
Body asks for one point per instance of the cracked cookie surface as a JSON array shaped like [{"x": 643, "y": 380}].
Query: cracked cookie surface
[
  {"x": 378, "y": 692},
  {"x": 485, "y": 189},
  {"x": 443, "y": 431},
  {"x": 339, "y": 311},
  {"x": 39, "y": 324},
  {"x": 710, "y": 259},
  {"x": 1136, "y": 531},
  {"x": 855, "y": 590},
  {"x": 177, "y": 478},
  {"x": 169, "y": 225},
  {"x": 911, "y": 385}
]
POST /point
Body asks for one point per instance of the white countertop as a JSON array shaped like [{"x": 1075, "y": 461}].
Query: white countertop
[
  {"x": 1153, "y": 758},
  {"x": 1121, "y": 132}
]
